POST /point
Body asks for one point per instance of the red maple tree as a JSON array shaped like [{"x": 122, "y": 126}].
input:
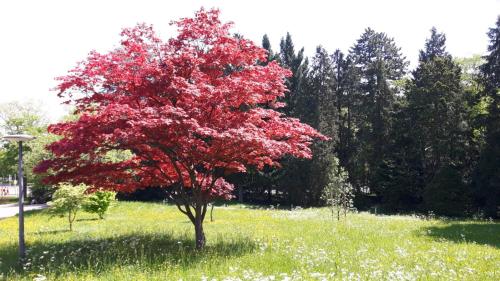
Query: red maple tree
[{"x": 188, "y": 111}]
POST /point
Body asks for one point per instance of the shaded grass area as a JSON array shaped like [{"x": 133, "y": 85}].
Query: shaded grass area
[
  {"x": 468, "y": 232},
  {"x": 151, "y": 241},
  {"x": 98, "y": 255}
]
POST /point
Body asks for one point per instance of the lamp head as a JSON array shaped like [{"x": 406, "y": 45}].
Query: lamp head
[{"x": 18, "y": 138}]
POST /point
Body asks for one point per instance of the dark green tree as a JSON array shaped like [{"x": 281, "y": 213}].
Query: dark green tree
[
  {"x": 347, "y": 98},
  {"x": 447, "y": 194},
  {"x": 323, "y": 115},
  {"x": 266, "y": 44},
  {"x": 298, "y": 65},
  {"x": 294, "y": 178},
  {"x": 377, "y": 64},
  {"x": 477, "y": 105},
  {"x": 437, "y": 112},
  {"x": 399, "y": 171},
  {"x": 487, "y": 176},
  {"x": 435, "y": 46}
]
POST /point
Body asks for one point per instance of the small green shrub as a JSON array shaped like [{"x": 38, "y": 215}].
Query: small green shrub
[
  {"x": 338, "y": 194},
  {"x": 99, "y": 202},
  {"x": 67, "y": 200}
]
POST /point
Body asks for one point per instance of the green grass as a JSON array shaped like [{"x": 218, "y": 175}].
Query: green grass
[
  {"x": 8, "y": 200},
  {"x": 141, "y": 241}
]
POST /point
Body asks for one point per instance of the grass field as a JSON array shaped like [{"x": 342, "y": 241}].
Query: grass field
[
  {"x": 141, "y": 241},
  {"x": 8, "y": 200}
]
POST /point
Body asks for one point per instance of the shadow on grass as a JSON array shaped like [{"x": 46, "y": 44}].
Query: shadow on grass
[
  {"x": 480, "y": 233},
  {"x": 89, "y": 219},
  {"x": 96, "y": 255},
  {"x": 49, "y": 232}
]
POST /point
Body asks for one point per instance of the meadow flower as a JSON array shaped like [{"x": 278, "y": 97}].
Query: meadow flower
[
  {"x": 39, "y": 277},
  {"x": 401, "y": 251}
]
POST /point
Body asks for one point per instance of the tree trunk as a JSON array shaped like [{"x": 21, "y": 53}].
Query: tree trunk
[
  {"x": 70, "y": 221},
  {"x": 199, "y": 233},
  {"x": 240, "y": 194}
]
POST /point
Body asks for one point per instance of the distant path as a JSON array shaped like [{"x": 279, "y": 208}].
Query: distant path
[{"x": 10, "y": 210}]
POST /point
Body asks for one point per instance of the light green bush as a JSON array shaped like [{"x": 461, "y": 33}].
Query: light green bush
[
  {"x": 338, "y": 194},
  {"x": 67, "y": 200},
  {"x": 99, "y": 202}
]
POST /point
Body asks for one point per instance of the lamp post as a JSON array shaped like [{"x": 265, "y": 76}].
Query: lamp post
[{"x": 20, "y": 139}]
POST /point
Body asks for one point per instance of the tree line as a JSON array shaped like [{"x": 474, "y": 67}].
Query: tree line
[{"x": 423, "y": 140}]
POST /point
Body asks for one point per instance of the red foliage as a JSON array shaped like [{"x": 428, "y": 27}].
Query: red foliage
[{"x": 191, "y": 110}]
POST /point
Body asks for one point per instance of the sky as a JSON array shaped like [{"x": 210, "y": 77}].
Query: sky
[{"x": 41, "y": 40}]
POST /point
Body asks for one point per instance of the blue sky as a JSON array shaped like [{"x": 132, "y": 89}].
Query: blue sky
[{"x": 44, "y": 39}]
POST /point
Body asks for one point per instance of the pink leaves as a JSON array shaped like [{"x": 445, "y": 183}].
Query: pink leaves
[{"x": 190, "y": 109}]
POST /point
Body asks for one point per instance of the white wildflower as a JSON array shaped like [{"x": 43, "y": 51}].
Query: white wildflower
[{"x": 39, "y": 277}]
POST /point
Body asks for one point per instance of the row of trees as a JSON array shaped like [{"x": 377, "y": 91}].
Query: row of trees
[{"x": 421, "y": 140}]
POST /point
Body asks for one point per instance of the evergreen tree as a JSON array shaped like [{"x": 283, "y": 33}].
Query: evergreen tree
[
  {"x": 487, "y": 177},
  {"x": 477, "y": 105},
  {"x": 434, "y": 47},
  {"x": 344, "y": 105},
  {"x": 324, "y": 117},
  {"x": 377, "y": 63},
  {"x": 266, "y": 44},
  {"x": 294, "y": 181},
  {"x": 437, "y": 107},
  {"x": 447, "y": 194},
  {"x": 399, "y": 171},
  {"x": 438, "y": 115},
  {"x": 347, "y": 82},
  {"x": 296, "y": 62}
]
